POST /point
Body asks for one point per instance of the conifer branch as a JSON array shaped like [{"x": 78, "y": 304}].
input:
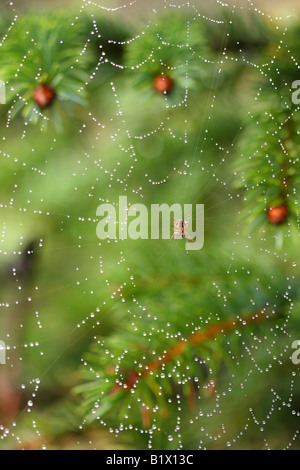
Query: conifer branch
[{"x": 179, "y": 348}]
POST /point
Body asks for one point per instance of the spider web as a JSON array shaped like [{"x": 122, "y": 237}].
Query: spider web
[{"x": 116, "y": 155}]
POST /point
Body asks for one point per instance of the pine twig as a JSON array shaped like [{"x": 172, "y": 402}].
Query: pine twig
[{"x": 178, "y": 349}]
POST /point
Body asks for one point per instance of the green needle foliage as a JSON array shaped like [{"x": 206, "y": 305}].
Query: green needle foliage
[
  {"x": 268, "y": 161},
  {"x": 134, "y": 376},
  {"x": 45, "y": 50}
]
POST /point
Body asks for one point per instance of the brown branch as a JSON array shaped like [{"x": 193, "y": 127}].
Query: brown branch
[{"x": 194, "y": 339}]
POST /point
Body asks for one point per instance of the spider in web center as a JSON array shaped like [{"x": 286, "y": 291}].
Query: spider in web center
[{"x": 179, "y": 229}]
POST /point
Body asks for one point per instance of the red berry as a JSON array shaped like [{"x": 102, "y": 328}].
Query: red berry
[
  {"x": 163, "y": 84},
  {"x": 44, "y": 95},
  {"x": 277, "y": 214}
]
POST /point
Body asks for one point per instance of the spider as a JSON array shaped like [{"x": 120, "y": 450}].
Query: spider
[{"x": 179, "y": 229}]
